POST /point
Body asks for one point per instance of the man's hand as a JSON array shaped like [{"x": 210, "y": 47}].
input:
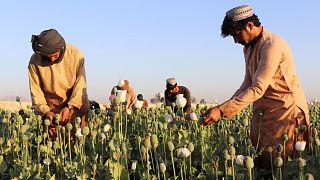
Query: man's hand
[
  {"x": 49, "y": 115},
  {"x": 65, "y": 115},
  {"x": 211, "y": 115}
]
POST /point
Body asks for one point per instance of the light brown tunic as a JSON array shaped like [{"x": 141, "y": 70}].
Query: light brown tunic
[
  {"x": 272, "y": 85},
  {"x": 54, "y": 86}
]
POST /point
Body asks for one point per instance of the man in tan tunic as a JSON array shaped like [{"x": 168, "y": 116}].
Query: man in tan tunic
[
  {"x": 270, "y": 83},
  {"x": 57, "y": 79}
]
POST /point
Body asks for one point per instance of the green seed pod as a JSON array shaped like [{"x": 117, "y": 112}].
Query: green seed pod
[
  {"x": 90, "y": 125},
  {"x": 45, "y": 135},
  {"x": 139, "y": 139},
  {"x": 165, "y": 126},
  {"x": 249, "y": 164},
  {"x": 245, "y": 121},
  {"x": 278, "y": 162},
  {"x": 303, "y": 128},
  {"x": 163, "y": 167},
  {"x": 46, "y": 122},
  {"x": 56, "y": 145},
  {"x": 69, "y": 126},
  {"x": 154, "y": 141},
  {"x": 19, "y": 119},
  {"x": 226, "y": 155},
  {"x": 308, "y": 176},
  {"x": 203, "y": 134},
  {"x": 160, "y": 125},
  {"x": 24, "y": 128},
  {"x": 285, "y": 137},
  {"x": 25, "y": 138},
  {"x": 17, "y": 98},
  {"x": 85, "y": 130},
  {"x": 301, "y": 163},
  {"x": 170, "y": 146},
  {"x": 39, "y": 118},
  {"x": 143, "y": 149},
  {"x": 190, "y": 147},
  {"x": 230, "y": 140},
  {"x": 39, "y": 139},
  {"x": 279, "y": 148},
  {"x": 232, "y": 151},
  {"x": 147, "y": 143},
  {"x": 78, "y": 120},
  {"x": 269, "y": 149},
  {"x": 249, "y": 142},
  {"x": 94, "y": 133},
  {"x": 14, "y": 133},
  {"x": 63, "y": 129},
  {"x": 49, "y": 144},
  {"x": 57, "y": 117}
]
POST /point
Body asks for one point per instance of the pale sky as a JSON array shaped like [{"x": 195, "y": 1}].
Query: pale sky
[{"x": 148, "y": 41}]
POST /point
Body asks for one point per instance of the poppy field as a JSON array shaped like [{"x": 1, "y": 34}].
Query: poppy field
[{"x": 152, "y": 143}]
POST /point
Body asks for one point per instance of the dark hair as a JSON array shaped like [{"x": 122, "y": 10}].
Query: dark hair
[
  {"x": 140, "y": 97},
  {"x": 229, "y": 26}
]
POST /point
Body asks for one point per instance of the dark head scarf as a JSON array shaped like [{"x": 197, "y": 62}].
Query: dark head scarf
[{"x": 48, "y": 42}]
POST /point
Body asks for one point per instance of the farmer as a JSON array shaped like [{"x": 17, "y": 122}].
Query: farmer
[
  {"x": 270, "y": 83},
  {"x": 57, "y": 79},
  {"x": 171, "y": 92},
  {"x": 145, "y": 102},
  {"x": 130, "y": 96}
]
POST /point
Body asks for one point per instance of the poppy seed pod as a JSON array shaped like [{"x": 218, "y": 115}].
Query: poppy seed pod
[
  {"x": 301, "y": 163},
  {"x": 143, "y": 149},
  {"x": 230, "y": 140},
  {"x": 163, "y": 167},
  {"x": 278, "y": 162},
  {"x": 279, "y": 148},
  {"x": 190, "y": 147},
  {"x": 94, "y": 133},
  {"x": 147, "y": 142},
  {"x": 226, "y": 155},
  {"x": 285, "y": 137},
  {"x": 249, "y": 164},
  {"x": 154, "y": 141},
  {"x": 46, "y": 122},
  {"x": 69, "y": 126},
  {"x": 269, "y": 149},
  {"x": 85, "y": 130},
  {"x": 170, "y": 146},
  {"x": 303, "y": 129}
]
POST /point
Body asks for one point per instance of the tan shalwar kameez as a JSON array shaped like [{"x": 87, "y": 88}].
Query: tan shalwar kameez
[
  {"x": 272, "y": 85},
  {"x": 58, "y": 85}
]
